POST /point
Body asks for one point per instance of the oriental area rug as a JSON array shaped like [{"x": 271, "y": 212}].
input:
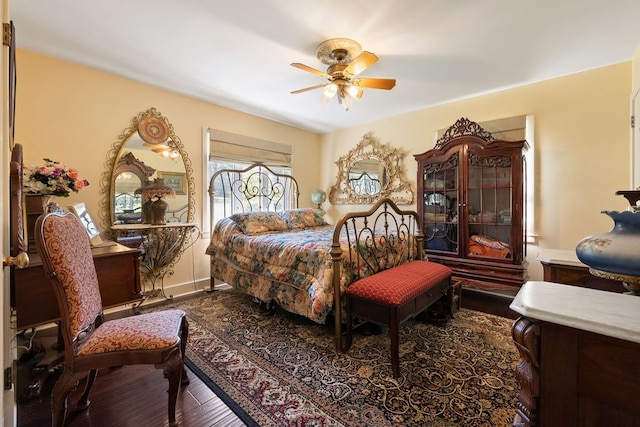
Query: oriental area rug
[{"x": 277, "y": 369}]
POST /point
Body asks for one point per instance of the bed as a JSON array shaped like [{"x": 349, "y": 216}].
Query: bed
[{"x": 264, "y": 245}]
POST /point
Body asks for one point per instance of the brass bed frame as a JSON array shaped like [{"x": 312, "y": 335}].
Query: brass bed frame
[{"x": 382, "y": 237}]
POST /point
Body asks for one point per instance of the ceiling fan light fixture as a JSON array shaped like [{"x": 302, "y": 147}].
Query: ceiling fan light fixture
[
  {"x": 330, "y": 90},
  {"x": 355, "y": 91},
  {"x": 346, "y": 59},
  {"x": 345, "y": 100}
]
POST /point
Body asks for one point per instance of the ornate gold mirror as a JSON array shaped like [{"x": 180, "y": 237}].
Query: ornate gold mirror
[
  {"x": 146, "y": 150},
  {"x": 369, "y": 172}
]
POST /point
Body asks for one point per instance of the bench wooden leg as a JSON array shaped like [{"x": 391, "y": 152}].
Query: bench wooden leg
[
  {"x": 349, "y": 334},
  {"x": 393, "y": 335}
]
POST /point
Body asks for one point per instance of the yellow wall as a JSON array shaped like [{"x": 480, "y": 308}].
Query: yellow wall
[
  {"x": 75, "y": 114},
  {"x": 581, "y": 147},
  {"x": 636, "y": 70}
]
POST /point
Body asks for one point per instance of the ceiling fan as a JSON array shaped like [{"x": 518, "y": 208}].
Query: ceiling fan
[{"x": 346, "y": 60}]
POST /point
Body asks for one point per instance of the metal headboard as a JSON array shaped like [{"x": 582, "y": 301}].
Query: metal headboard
[{"x": 255, "y": 188}]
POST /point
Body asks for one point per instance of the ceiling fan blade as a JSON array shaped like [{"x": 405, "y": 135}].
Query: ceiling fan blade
[
  {"x": 361, "y": 63},
  {"x": 375, "y": 83},
  {"x": 309, "y": 69},
  {"x": 309, "y": 88}
]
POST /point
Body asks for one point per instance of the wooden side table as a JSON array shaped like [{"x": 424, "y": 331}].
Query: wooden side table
[
  {"x": 579, "y": 350},
  {"x": 118, "y": 270},
  {"x": 563, "y": 266}
]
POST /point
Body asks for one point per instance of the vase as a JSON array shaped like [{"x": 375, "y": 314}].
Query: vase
[
  {"x": 34, "y": 206},
  {"x": 615, "y": 254},
  {"x": 158, "y": 211},
  {"x": 145, "y": 212}
]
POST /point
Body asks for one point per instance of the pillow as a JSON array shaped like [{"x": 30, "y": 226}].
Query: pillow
[
  {"x": 259, "y": 222},
  {"x": 302, "y": 218}
]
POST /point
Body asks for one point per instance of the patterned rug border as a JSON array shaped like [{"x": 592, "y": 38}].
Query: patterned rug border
[{"x": 222, "y": 395}]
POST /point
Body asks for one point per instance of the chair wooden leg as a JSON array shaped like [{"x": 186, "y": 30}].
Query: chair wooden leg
[
  {"x": 67, "y": 382},
  {"x": 84, "y": 402},
  {"x": 393, "y": 335},
  {"x": 184, "y": 335},
  {"x": 173, "y": 367}
]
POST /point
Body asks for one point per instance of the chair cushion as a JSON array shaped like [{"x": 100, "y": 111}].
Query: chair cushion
[
  {"x": 150, "y": 331},
  {"x": 399, "y": 284}
]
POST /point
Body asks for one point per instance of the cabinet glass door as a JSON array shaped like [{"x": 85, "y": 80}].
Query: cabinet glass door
[
  {"x": 440, "y": 210},
  {"x": 489, "y": 201}
]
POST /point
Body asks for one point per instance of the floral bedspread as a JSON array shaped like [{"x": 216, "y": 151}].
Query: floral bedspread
[
  {"x": 292, "y": 268},
  {"x": 288, "y": 263}
]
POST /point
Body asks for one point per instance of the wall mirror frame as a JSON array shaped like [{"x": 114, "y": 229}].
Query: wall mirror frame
[
  {"x": 389, "y": 181},
  {"x": 154, "y": 133}
]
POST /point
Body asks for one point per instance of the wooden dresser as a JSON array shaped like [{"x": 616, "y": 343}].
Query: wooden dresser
[
  {"x": 580, "y": 351},
  {"x": 118, "y": 269},
  {"x": 563, "y": 266}
]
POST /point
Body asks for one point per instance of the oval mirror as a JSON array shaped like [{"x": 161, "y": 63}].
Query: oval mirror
[{"x": 146, "y": 150}]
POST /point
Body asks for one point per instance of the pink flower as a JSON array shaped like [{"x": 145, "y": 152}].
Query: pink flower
[
  {"x": 44, "y": 170},
  {"x": 52, "y": 178}
]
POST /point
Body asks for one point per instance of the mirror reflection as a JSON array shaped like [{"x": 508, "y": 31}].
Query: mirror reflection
[
  {"x": 137, "y": 166},
  {"x": 367, "y": 176},
  {"x": 127, "y": 204}
]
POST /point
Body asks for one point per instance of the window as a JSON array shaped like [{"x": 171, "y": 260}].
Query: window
[{"x": 224, "y": 150}]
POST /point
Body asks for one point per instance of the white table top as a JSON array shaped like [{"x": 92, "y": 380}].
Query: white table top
[
  {"x": 559, "y": 256},
  {"x": 606, "y": 313}
]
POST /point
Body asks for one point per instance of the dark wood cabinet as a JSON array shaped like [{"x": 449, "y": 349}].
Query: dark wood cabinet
[
  {"x": 570, "y": 377},
  {"x": 471, "y": 201},
  {"x": 579, "y": 351},
  {"x": 564, "y": 267},
  {"x": 118, "y": 269}
]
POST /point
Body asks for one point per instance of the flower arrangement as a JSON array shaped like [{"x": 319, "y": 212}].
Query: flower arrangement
[{"x": 51, "y": 178}]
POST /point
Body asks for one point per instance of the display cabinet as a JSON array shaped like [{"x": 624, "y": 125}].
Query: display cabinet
[{"x": 471, "y": 201}]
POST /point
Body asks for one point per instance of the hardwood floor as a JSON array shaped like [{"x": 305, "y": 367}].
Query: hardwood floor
[
  {"x": 126, "y": 396},
  {"x": 493, "y": 302},
  {"x": 132, "y": 396}
]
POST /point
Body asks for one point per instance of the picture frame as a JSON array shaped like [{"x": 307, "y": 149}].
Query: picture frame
[
  {"x": 80, "y": 210},
  {"x": 176, "y": 180}
]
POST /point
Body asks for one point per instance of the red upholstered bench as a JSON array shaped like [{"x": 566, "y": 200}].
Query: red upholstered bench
[{"x": 394, "y": 295}]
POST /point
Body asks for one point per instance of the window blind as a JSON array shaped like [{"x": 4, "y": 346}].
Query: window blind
[{"x": 231, "y": 146}]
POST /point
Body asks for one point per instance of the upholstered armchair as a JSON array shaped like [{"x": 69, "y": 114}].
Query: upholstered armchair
[{"x": 91, "y": 343}]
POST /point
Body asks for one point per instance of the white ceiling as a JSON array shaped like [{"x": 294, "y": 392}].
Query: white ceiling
[{"x": 237, "y": 53}]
